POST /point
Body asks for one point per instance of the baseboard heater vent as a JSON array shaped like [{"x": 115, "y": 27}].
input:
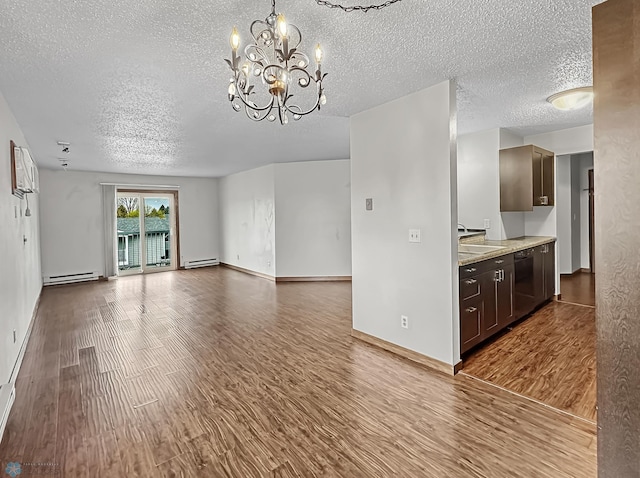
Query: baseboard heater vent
[
  {"x": 71, "y": 278},
  {"x": 201, "y": 263},
  {"x": 7, "y": 397}
]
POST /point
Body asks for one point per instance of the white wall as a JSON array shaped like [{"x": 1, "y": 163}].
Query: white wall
[
  {"x": 565, "y": 141},
  {"x": 403, "y": 156},
  {"x": 247, "y": 220},
  {"x": 576, "y": 213},
  {"x": 20, "y": 279},
  {"x": 479, "y": 181},
  {"x": 72, "y": 232},
  {"x": 586, "y": 163},
  {"x": 313, "y": 218},
  {"x": 564, "y": 214}
]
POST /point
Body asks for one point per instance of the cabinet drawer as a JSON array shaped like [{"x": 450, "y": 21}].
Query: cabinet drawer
[
  {"x": 469, "y": 288},
  {"x": 470, "y": 270},
  {"x": 477, "y": 268},
  {"x": 471, "y": 317}
]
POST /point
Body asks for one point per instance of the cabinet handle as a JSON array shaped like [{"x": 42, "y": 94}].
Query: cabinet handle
[
  {"x": 471, "y": 310},
  {"x": 471, "y": 270},
  {"x": 544, "y": 200},
  {"x": 501, "y": 275},
  {"x": 470, "y": 281},
  {"x": 500, "y": 262}
]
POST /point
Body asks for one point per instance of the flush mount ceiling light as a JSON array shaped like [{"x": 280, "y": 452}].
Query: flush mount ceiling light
[
  {"x": 272, "y": 70},
  {"x": 264, "y": 80},
  {"x": 572, "y": 99}
]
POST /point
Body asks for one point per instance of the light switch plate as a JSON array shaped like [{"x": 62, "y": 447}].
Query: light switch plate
[
  {"x": 414, "y": 235},
  {"x": 368, "y": 204}
]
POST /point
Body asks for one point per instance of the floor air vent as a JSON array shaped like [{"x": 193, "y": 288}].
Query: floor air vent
[
  {"x": 201, "y": 263},
  {"x": 70, "y": 278}
]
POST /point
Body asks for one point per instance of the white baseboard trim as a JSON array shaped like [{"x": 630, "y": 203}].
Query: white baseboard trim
[
  {"x": 7, "y": 397},
  {"x": 23, "y": 347},
  {"x": 8, "y": 390},
  {"x": 248, "y": 271}
]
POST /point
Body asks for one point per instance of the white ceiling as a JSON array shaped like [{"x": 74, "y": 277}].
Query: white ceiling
[{"x": 141, "y": 86}]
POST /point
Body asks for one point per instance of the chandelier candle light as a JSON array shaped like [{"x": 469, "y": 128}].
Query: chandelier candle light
[{"x": 271, "y": 68}]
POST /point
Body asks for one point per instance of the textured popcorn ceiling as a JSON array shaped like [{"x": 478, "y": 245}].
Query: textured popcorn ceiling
[{"x": 140, "y": 86}]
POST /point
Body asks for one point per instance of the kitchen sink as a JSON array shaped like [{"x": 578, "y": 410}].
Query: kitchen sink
[{"x": 478, "y": 248}]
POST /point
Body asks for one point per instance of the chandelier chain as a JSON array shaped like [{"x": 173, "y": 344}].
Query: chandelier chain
[{"x": 361, "y": 8}]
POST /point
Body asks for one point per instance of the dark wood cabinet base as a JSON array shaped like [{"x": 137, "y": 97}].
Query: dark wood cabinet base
[{"x": 492, "y": 296}]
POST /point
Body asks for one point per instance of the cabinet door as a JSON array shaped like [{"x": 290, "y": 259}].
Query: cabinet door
[
  {"x": 516, "y": 183},
  {"x": 548, "y": 178},
  {"x": 537, "y": 178},
  {"x": 490, "y": 324},
  {"x": 543, "y": 177},
  {"x": 549, "y": 271},
  {"x": 504, "y": 297},
  {"x": 471, "y": 319}
]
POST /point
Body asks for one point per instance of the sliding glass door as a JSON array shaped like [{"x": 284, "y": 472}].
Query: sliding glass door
[{"x": 146, "y": 226}]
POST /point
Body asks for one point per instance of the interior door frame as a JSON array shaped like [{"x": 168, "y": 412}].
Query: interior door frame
[{"x": 174, "y": 234}]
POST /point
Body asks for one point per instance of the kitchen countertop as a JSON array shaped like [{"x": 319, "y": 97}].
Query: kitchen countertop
[{"x": 510, "y": 246}]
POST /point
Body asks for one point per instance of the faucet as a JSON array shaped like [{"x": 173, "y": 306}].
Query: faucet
[{"x": 464, "y": 228}]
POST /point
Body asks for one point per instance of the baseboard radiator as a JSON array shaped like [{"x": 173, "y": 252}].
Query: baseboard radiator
[
  {"x": 7, "y": 397},
  {"x": 71, "y": 278},
  {"x": 201, "y": 263}
]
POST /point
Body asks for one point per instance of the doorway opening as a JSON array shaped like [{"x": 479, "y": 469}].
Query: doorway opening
[
  {"x": 147, "y": 238},
  {"x": 576, "y": 262}
]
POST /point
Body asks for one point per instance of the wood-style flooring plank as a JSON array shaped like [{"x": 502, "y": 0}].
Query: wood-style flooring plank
[
  {"x": 135, "y": 456},
  {"x": 578, "y": 288},
  {"x": 215, "y": 373},
  {"x": 103, "y": 456}
]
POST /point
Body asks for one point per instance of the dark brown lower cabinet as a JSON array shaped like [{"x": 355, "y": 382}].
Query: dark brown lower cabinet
[
  {"x": 544, "y": 272},
  {"x": 471, "y": 320},
  {"x": 504, "y": 297},
  {"x": 488, "y": 293},
  {"x": 549, "y": 270},
  {"x": 486, "y": 300}
]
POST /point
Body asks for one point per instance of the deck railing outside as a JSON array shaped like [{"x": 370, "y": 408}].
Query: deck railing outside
[{"x": 157, "y": 245}]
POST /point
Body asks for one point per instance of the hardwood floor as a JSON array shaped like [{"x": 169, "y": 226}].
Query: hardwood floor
[
  {"x": 550, "y": 357},
  {"x": 579, "y": 288},
  {"x": 216, "y": 373}
]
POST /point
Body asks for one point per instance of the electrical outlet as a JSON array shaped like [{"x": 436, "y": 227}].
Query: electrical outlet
[
  {"x": 404, "y": 321},
  {"x": 368, "y": 204},
  {"x": 487, "y": 223},
  {"x": 414, "y": 235}
]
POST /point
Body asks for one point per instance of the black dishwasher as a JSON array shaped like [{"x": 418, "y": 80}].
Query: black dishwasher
[{"x": 525, "y": 299}]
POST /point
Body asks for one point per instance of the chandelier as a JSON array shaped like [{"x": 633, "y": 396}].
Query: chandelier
[{"x": 272, "y": 74}]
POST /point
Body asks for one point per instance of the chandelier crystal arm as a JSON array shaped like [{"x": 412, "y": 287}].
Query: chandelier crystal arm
[{"x": 353, "y": 8}]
